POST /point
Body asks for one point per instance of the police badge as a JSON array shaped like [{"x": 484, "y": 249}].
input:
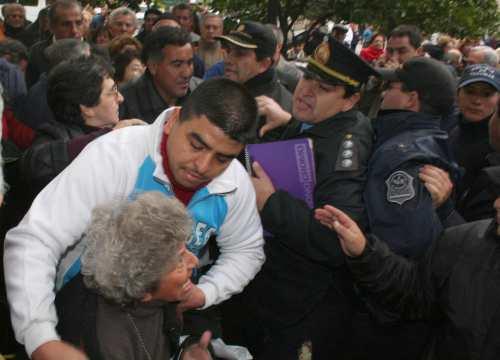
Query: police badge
[{"x": 400, "y": 187}]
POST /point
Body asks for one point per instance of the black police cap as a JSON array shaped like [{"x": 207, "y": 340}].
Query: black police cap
[{"x": 336, "y": 64}]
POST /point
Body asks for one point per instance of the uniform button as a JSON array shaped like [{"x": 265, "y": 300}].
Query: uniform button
[
  {"x": 348, "y": 144},
  {"x": 346, "y": 163},
  {"x": 347, "y": 154}
]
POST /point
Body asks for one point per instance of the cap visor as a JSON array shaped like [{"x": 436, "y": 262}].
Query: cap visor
[
  {"x": 237, "y": 41},
  {"x": 388, "y": 74},
  {"x": 482, "y": 80}
]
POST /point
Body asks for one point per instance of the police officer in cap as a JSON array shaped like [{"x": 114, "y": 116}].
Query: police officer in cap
[{"x": 302, "y": 296}]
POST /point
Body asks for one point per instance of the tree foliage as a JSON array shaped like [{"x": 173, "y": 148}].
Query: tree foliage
[{"x": 456, "y": 17}]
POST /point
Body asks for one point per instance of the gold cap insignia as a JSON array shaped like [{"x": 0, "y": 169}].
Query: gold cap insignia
[
  {"x": 322, "y": 53},
  {"x": 241, "y": 28}
]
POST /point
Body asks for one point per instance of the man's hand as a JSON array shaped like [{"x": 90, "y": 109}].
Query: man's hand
[
  {"x": 352, "y": 240},
  {"x": 57, "y": 350},
  {"x": 264, "y": 188},
  {"x": 274, "y": 114},
  {"x": 437, "y": 182},
  {"x": 194, "y": 299},
  {"x": 128, "y": 122},
  {"x": 199, "y": 351}
]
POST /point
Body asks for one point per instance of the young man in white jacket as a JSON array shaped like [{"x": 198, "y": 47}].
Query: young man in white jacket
[{"x": 188, "y": 153}]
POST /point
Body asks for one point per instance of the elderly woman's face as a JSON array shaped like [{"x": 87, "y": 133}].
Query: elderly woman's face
[{"x": 176, "y": 284}]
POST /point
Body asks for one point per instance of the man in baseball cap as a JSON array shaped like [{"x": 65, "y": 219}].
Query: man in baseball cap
[
  {"x": 477, "y": 99},
  {"x": 248, "y": 59}
]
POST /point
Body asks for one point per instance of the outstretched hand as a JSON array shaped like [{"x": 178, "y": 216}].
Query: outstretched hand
[{"x": 351, "y": 238}]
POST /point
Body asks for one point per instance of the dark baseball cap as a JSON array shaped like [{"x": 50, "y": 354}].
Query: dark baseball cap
[
  {"x": 253, "y": 35},
  {"x": 430, "y": 78},
  {"x": 334, "y": 63},
  {"x": 480, "y": 73}
]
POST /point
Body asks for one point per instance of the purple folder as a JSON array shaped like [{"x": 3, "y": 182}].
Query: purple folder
[{"x": 289, "y": 164}]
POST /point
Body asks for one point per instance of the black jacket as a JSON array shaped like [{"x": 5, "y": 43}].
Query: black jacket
[
  {"x": 142, "y": 100},
  {"x": 470, "y": 145},
  {"x": 50, "y": 153},
  {"x": 456, "y": 286},
  {"x": 268, "y": 84},
  {"x": 37, "y": 62},
  {"x": 304, "y": 259}
]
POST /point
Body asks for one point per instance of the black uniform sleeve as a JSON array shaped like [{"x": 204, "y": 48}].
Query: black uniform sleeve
[
  {"x": 393, "y": 286},
  {"x": 401, "y": 212},
  {"x": 292, "y": 221}
]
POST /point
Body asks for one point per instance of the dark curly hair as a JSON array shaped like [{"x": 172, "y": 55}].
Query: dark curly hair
[{"x": 76, "y": 82}]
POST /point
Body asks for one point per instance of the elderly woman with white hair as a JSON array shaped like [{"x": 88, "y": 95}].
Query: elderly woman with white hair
[{"x": 135, "y": 268}]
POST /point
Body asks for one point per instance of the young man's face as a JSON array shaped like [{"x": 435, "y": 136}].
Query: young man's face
[
  {"x": 241, "y": 64},
  {"x": 198, "y": 151},
  {"x": 149, "y": 21},
  {"x": 399, "y": 49},
  {"x": 211, "y": 27},
  {"x": 315, "y": 100},
  {"x": 477, "y": 101},
  {"x": 172, "y": 74},
  {"x": 185, "y": 18}
]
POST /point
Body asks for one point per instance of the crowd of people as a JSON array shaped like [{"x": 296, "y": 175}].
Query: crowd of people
[{"x": 132, "y": 230}]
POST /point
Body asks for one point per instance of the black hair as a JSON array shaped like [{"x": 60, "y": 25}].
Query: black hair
[
  {"x": 154, "y": 11},
  {"x": 76, "y": 82},
  {"x": 411, "y": 31},
  {"x": 182, "y": 7},
  {"x": 14, "y": 50},
  {"x": 122, "y": 60},
  {"x": 226, "y": 104},
  {"x": 157, "y": 40},
  {"x": 167, "y": 16},
  {"x": 64, "y": 4}
]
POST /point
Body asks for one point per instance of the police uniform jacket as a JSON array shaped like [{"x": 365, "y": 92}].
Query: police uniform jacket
[
  {"x": 399, "y": 207},
  {"x": 304, "y": 258},
  {"x": 456, "y": 286}
]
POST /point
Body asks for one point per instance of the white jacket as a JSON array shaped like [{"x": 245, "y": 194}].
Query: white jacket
[{"x": 47, "y": 244}]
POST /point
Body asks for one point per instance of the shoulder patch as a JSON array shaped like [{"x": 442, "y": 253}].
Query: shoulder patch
[
  {"x": 347, "y": 155},
  {"x": 400, "y": 187}
]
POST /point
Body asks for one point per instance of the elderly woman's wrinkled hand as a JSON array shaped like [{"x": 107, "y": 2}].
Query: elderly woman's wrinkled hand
[{"x": 351, "y": 238}]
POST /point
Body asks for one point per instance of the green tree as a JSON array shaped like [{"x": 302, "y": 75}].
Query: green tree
[{"x": 456, "y": 17}]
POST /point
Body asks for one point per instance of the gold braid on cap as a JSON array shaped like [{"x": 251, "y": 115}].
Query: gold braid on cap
[{"x": 334, "y": 73}]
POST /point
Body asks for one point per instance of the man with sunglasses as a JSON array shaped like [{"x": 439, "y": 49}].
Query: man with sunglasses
[{"x": 301, "y": 296}]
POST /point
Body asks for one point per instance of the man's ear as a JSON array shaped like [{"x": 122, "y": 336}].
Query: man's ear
[
  {"x": 265, "y": 64},
  {"x": 413, "y": 102},
  {"x": 147, "y": 297},
  {"x": 87, "y": 112},
  {"x": 351, "y": 101},
  {"x": 420, "y": 51},
  {"x": 170, "y": 123},
  {"x": 152, "y": 67}
]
